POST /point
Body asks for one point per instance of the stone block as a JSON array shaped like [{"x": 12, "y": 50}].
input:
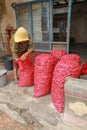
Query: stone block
[{"x": 75, "y": 110}]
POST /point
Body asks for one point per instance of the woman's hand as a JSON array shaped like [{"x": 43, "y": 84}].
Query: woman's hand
[
  {"x": 17, "y": 59},
  {"x": 23, "y": 57}
]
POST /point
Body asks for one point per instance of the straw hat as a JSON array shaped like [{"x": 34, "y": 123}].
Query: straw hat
[{"x": 21, "y": 35}]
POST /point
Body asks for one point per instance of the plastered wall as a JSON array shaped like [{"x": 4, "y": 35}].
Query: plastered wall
[
  {"x": 9, "y": 16},
  {"x": 78, "y": 21}
]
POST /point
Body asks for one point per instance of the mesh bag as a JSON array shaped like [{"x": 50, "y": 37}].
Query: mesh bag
[
  {"x": 58, "y": 53},
  {"x": 43, "y": 73},
  {"x": 72, "y": 57},
  {"x": 26, "y": 72},
  {"x": 62, "y": 70},
  {"x": 84, "y": 68}
]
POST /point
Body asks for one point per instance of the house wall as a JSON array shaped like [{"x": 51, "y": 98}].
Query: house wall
[
  {"x": 9, "y": 16},
  {"x": 78, "y": 21}
]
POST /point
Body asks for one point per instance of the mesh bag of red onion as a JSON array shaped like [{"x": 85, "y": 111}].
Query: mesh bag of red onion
[
  {"x": 63, "y": 69},
  {"x": 43, "y": 73},
  {"x": 26, "y": 72}
]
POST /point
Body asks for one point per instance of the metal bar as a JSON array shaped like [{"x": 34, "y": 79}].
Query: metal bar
[
  {"x": 49, "y": 42},
  {"x": 31, "y": 20},
  {"x": 68, "y": 25},
  {"x": 16, "y": 15},
  {"x": 59, "y": 42},
  {"x": 42, "y": 50},
  {"x": 25, "y": 3},
  {"x": 51, "y": 22}
]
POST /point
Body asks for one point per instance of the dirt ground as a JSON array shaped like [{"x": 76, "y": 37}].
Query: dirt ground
[
  {"x": 50, "y": 119},
  {"x": 7, "y": 123}
]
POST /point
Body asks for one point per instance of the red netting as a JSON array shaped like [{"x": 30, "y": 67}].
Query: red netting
[
  {"x": 26, "y": 72},
  {"x": 43, "y": 73},
  {"x": 62, "y": 70},
  {"x": 72, "y": 57},
  {"x": 84, "y": 68},
  {"x": 58, "y": 53}
]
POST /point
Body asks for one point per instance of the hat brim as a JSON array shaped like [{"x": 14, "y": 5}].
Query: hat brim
[{"x": 20, "y": 40}]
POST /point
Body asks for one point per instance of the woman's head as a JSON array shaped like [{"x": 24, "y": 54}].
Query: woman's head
[{"x": 21, "y": 35}]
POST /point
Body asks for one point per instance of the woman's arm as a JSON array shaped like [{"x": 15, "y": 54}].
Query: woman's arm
[{"x": 30, "y": 49}]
